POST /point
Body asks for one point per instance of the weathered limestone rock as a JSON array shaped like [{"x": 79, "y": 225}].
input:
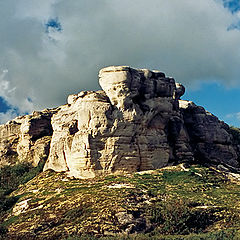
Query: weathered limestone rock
[
  {"x": 136, "y": 122},
  {"x": 26, "y": 138},
  {"x": 133, "y": 125},
  {"x": 210, "y": 139}
]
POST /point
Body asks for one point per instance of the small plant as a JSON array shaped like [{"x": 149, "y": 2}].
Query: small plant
[
  {"x": 3, "y": 231},
  {"x": 7, "y": 202},
  {"x": 175, "y": 216},
  {"x": 172, "y": 216},
  {"x": 235, "y": 132}
]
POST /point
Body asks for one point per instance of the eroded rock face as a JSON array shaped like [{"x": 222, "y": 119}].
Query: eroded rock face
[
  {"x": 137, "y": 122},
  {"x": 210, "y": 139},
  {"x": 134, "y": 124},
  {"x": 26, "y": 138}
]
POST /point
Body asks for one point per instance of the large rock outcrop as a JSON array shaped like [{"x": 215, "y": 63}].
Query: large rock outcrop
[
  {"x": 26, "y": 138},
  {"x": 137, "y": 122}
]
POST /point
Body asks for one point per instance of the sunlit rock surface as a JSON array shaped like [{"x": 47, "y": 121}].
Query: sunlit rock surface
[
  {"x": 26, "y": 138},
  {"x": 136, "y": 122}
]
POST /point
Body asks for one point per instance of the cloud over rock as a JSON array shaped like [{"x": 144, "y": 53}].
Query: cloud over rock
[{"x": 188, "y": 39}]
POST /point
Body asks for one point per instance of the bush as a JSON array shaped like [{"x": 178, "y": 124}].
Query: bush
[
  {"x": 235, "y": 132},
  {"x": 3, "y": 231},
  {"x": 171, "y": 216},
  {"x": 7, "y": 203},
  {"x": 175, "y": 216},
  {"x": 10, "y": 178}
]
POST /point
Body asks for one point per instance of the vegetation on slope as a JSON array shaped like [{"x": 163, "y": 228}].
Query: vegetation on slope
[
  {"x": 171, "y": 203},
  {"x": 10, "y": 178},
  {"x": 235, "y": 132}
]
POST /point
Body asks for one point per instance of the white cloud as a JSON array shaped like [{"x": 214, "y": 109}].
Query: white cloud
[
  {"x": 9, "y": 93},
  {"x": 4, "y": 117},
  {"x": 34, "y": 9},
  {"x": 233, "y": 116},
  {"x": 186, "y": 39},
  {"x": 230, "y": 115}
]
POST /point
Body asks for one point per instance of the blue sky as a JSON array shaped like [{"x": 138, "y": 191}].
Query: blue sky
[
  {"x": 53, "y": 48},
  {"x": 217, "y": 99},
  {"x": 232, "y": 5},
  {"x": 3, "y": 105}
]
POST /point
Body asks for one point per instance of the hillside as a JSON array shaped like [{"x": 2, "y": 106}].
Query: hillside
[
  {"x": 131, "y": 161},
  {"x": 181, "y": 202}
]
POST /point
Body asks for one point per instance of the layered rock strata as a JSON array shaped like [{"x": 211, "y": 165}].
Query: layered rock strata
[
  {"x": 26, "y": 138},
  {"x": 211, "y": 141},
  {"x": 137, "y": 122}
]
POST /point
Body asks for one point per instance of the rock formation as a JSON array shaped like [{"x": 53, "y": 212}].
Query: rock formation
[
  {"x": 137, "y": 122},
  {"x": 26, "y": 138}
]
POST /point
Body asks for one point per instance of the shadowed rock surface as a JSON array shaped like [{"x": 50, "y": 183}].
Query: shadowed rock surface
[
  {"x": 26, "y": 138},
  {"x": 136, "y": 122}
]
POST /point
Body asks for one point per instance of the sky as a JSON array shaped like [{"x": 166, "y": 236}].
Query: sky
[{"x": 52, "y": 48}]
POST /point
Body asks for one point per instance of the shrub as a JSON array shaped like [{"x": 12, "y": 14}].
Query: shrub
[
  {"x": 10, "y": 178},
  {"x": 175, "y": 216},
  {"x": 235, "y": 132},
  {"x": 3, "y": 231}
]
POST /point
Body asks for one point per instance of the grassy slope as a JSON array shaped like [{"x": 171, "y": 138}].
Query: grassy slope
[{"x": 164, "y": 204}]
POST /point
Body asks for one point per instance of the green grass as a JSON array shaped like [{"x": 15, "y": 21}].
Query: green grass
[
  {"x": 167, "y": 204},
  {"x": 11, "y": 177}
]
